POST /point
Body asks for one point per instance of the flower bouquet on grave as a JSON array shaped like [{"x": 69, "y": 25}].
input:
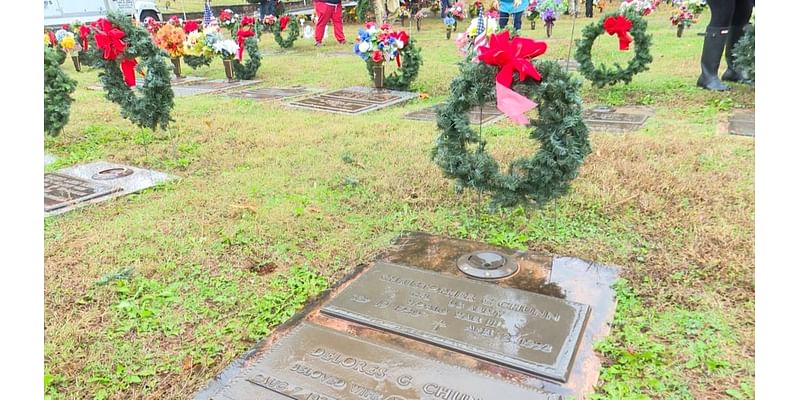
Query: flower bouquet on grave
[
  {"x": 642, "y": 7},
  {"x": 69, "y": 45},
  {"x": 695, "y": 6},
  {"x": 418, "y": 18},
  {"x": 449, "y": 23},
  {"x": 468, "y": 40},
  {"x": 404, "y": 14},
  {"x": 549, "y": 11},
  {"x": 458, "y": 11},
  {"x": 228, "y": 50},
  {"x": 531, "y": 14},
  {"x": 228, "y": 20},
  {"x": 198, "y": 48},
  {"x": 682, "y": 18},
  {"x": 375, "y": 46},
  {"x": 170, "y": 38}
]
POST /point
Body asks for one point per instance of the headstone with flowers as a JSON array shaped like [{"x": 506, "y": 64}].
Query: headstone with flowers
[{"x": 377, "y": 45}]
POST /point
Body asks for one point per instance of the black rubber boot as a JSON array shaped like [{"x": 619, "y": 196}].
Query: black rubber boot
[
  {"x": 713, "y": 47},
  {"x": 731, "y": 74}
]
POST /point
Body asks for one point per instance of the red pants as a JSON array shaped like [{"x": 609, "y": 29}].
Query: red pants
[{"x": 326, "y": 12}]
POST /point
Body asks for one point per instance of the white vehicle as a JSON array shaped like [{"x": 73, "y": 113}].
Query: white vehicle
[{"x": 59, "y": 12}]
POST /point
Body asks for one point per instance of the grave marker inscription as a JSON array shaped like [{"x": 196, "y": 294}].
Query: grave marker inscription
[
  {"x": 63, "y": 190},
  {"x": 524, "y": 330}
]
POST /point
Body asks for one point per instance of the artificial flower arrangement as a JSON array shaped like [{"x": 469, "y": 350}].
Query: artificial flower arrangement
[
  {"x": 404, "y": 12},
  {"x": 201, "y": 43},
  {"x": 228, "y": 20},
  {"x": 642, "y": 7},
  {"x": 66, "y": 41},
  {"x": 226, "y": 48},
  {"x": 418, "y": 18},
  {"x": 379, "y": 45},
  {"x": 478, "y": 4},
  {"x": 531, "y": 14},
  {"x": 549, "y": 11},
  {"x": 170, "y": 38},
  {"x": 600, "y": 4},
  {"x": 682, "y": 18},
  {"x": 695, "y": 6},
  {"x": 466, "y": 41},
  {"x": 457, "y": 11},
  {"x": 152, "y": 25}
]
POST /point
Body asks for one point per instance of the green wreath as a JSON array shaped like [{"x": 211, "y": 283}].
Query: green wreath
[
  {"x": 294, "y": 32},
  {"x": 602, "y": 75},
  {"x": 57, "y": 89},
  {"x": 153, "y": 107},
  {"x": 362, "y": 6},
  {"x": 248, "y": 70},
  {"x": 410, "y": 61},
  {"x": 560, "y": 131},
  {"x": 744, "y": 53}
]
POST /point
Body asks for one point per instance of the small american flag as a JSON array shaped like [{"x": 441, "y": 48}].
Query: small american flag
[
  {"x": 480, "y": 38},
  {"x": 207, "y": 14}
]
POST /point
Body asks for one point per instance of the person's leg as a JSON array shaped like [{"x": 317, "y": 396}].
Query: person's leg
[
  {"x": 740, "y": 19},
  {"x": 338, "y": 30},
  {"x": 445, "y": 4},
  {"x": 518, "y": 21},
  {"x": 503, "y": 20},
  {"x": 323, "y": 14},
  {"x": 714, "y": 43},
  {"x": 589, "y": 8}
]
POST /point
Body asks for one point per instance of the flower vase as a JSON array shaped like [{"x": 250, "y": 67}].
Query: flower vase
[
  {"x": 77, "y": 63},
  {"x": 176, "y": 66},
  {"x": 378, "y": 71},
  {"x": 418, "y": 24},
  {"x": 533, "y": 25},
  {"x": 449, "y": 31},
  {"x": 455, "y": 26},
  {"x": 228, "y": 69},
  {"x": 403, "y": 21},
  {"x": 680, "y": 30},
  {"x": 549, "y": 26}
]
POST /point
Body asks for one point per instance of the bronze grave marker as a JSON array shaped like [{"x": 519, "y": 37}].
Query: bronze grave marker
[
  {"x": 354, "y": 100},
  {"x": 62, "y": 190},
  {"x": 488, "y": 115},
  {"x": 524, "y": 330},
  {"x": 610, "y": 120},
  {"x": 271, "y": 93},
  {"x": 319, "y": 363}
]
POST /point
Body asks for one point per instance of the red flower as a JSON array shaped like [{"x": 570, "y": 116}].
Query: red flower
[
  {"x": 403, "y": 36},
  {"x": 284, "y": 21},
  {"x": 174, "y": 20},
  {"x": 225, "y": 15},
  {"x": 512, "y": 55},
  {"x": 65, "y": 27},
  {"x": 190, "y": 26},
  {"x": 246, "y": 20},
  {"x": 369, "y": 25},
  {"x": 377, "y": 56},
  {"x": 386, "y": 27}
]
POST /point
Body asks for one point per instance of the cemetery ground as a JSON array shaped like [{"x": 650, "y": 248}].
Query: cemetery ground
[{"x": 152, "y": 294}]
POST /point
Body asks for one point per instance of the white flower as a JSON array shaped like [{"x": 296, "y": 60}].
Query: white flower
[
  {"x": 364, "y": 47},
  {"x": 400, "y": 44}
]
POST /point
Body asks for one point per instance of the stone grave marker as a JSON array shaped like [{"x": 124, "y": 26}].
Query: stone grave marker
[
  {"x": 211, "y": 86},
  {"x": 743, "y": 123},
  {"x": 437, "y": 318},
  {"x": 272, "y": 93},
  {"x": 353, "y": 101},
  {"x": 110, "y": 181},
  {"x": 488, "y": 115},
  {"x": 609, "y": 119}
]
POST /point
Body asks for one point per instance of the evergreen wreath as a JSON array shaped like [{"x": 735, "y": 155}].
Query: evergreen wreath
[
  {"x": 294, "y": 32},
  {"x": 560, "y": 131},
  {"x": 410, "y": 61},
  {"x": 602, "y": 75},
  {"x": 153, "y": 107},
  {"x": 57, "y": 89},
  {"x": 744, "y": 53},
  {"x": 362, "y": 6},
  {"x": 248, "y": 70}
]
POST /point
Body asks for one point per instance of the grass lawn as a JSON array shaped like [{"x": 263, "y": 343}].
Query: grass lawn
[{"x": 151, "y": 295}]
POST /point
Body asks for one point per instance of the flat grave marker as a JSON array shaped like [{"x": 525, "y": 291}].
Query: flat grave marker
[
  {"x": 572, "y": 65},
  {"x": 314, "y": 362},
  {"x": 607, "y": 119},
  {"x": 528, "y": 331},
  {"x": 174, "y": 81},
  {"x": 490, "y": 114},
  {"x": 62, "y": 190},
  {"x": 743, "y": 123},
  {"x": 272, "y": 93},
  {"x": 121, "y": 179},
  {"x": 210, "y": 86},
  {"x": 353, "y": 101}
]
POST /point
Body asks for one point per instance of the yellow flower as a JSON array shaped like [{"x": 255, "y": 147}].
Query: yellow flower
[
  {"x": 46, "y": 39},
  {"x": 68, "y": 43}
]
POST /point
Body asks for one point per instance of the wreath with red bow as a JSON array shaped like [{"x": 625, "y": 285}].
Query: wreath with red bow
[
  {"x": 505, "y": 65},
  {"x": 247, "y": 40},
  {"x": 629, "y": 27},
  {"x": 117, "y": 45},
  {"x": 285, "y": 22}
]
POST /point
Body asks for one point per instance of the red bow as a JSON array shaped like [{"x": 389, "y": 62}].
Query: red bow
[
  {"x": 84, "y": 35},
  {"x": 53, "y": 40},
  {"x": 246, "y": 20},
  {"x": 284, "y": 21},
  {"x": 241, "y": 36},
  {"x": 128, "y": 66},
  {"x": 109, "y": 39},
  {"x": 620, "y": 26},
  {"x": 512, "y": 55}
]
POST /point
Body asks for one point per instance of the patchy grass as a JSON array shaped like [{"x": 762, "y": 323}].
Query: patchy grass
[{"x": 151, "y": 295}]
